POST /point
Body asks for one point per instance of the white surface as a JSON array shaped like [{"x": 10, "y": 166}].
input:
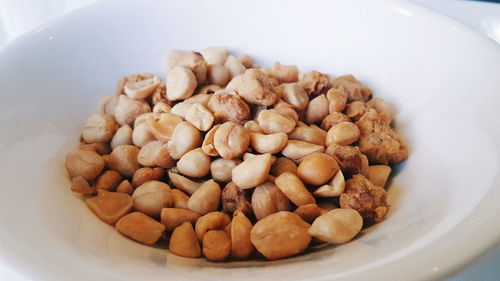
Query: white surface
[{"x": 432, "y": 200}]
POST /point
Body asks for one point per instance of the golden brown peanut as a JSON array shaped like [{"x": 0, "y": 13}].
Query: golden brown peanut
[
  {"x": 200, "y": 117},
  {"x": 123, "y": 159},
  {"x": 363, "y": 196},
  {"x": 206, "y": 198},
  {"x": 146, "y": 174},
  {"x": 333, "y": 119},
  {"x": 99, "y": 128},
  {"x": 308, "y": 212},
  {"x": 163, "y": 158},
  {"x": 108, "y": 180},
  {"x": 333, "y": 188},
  {"x": 140, "y": 227},
  {"x": 203, "y": 96},
  {"x": 211, "y": 221},
  {"x": 234, "y": 199},
  {"x": 241, "y": 245},
  {"x": 130, "y": 79},
  {"x": 293, "y": 188},
  {"x": 267, "y": 199},
  {"x": 282, "y": 165},
  {"x": 252, "y": 127},
  {"x": 183, "y": 183},
  {"x": 125, "y": 187},
  {"x": 183, "y": 241},
  {"x": 85, "y": 163},
  {"x": 272, "y": 143},
  {"x": 285, "y": 73},
  {"x": 221, "y": 169},
  {"x": 294, "y": 94},
  {"x": 234, "y": 66},
  {"x": 317, "y": 109},
  {"x": 187, "y": 59},
  {"x": 141, "y": 89},
  {"x": 228, "y": 107},
  {"x": 326, "y": 206},
  {"x": 180, "y": 109},
  {"x": 356, "y": 109},
  {"x": 99, "y": 147},
  {"x": 122, "y": 136},
  {"x": 349, "y": 158},
  {"x": 355, "y": 90},
  {"x": 381, "y": 106},
  {"x": 215, "y": 55},
  {"x": 160, "y": 95},
  {"x": 256, "y": 88},
  {"x": 378, "y": 174},
  {"x": 161, "y": 107},
  {"x": 218, "y": 74},
  {"x": 308, "y": 134},
  {"x": 110, "y": 206},
  {"x": 144, "y": 117},
  {"x": 108, "y": 104},
  {"x": 173, "y": 217},
  {"x": 315, "y": 82},
  {"x": 317, "y": 168},
  {"x": 286, "y": 111},
  {"x": 252, "y": 172},
  {"x": 142, "y": 135},
  {"x": 216, "y": 245},
  {"x": 298, "y": 150},
  {"x": 234, "y": 83},
  {"x": 151, "y": 197},
  {"x": 148, "y": 154},
  {"x": 163, "y": 127},
  {"x": 208, "y": 142},
  {"x": 272, "y": 122},
  {"x": 246, "y": 61},
  {"x": 184, "y": 139},
  {"x": 128, "y": 109},
  {"x": 80, "y": 185},
  {"x": 179, "y": 198},
  {"x": 195, "y": 163},
  {"x": 231, "y": 140},
  {"x": 280, "y": 235},
  {"x": 337, "y": 100},
  {"x": 337, "y": 226}
]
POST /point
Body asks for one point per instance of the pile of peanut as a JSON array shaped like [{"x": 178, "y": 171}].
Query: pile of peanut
[{"x": 227, "y": 159}]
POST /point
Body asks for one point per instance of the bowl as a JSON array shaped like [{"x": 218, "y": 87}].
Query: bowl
[{"x": 441, "y": 76}]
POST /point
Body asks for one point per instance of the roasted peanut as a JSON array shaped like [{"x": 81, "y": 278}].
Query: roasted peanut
[
  {"x": 378, "y": 174},
  {"x": 184, "y": 139},
  {"x": 99, "y": 147},
  {"x": 194, "y": 163},
  {"x": 161, "y": 107},
  {"x": 183, "y": 241},
  {"x": 231, "y": 140},
  {"x": 381, "y": 106},
  {"x": 241, "y": 245},
  {"x": 128, "y": 109},
  {"x": 163, "y": 126},
  {"x": 333, "y": 119},
  {"x": 180, "y": 109},
  {"x": 280, "y": 235},
  {"x": 163, "y": 158},
  {"x": 151, "y": 197},
  {"x": 308, "y": 212},
  {"x": 272, "y": 143},
  {"x": 356, "y": 109},
  {"x": 130, "y": 79},
  {"x": 294, "y": 94},
  {"x": 200, "y": 117},
  {"x": 215, "y": 55},
  {"x": 208, "y": 143},
  {"x": 221, "y": 169},
  {"x": 218, "y": 74},
  {"x": 252, "y": 127},
  {"x": 337, "y": 226},
  {"x": 315, "y": 82},
  {"x": 183, "y": 183},
  {"x": 123, "y": 159},
  {"x": 272, "y": 122},
  {"x": 228, "y": 107},
  {"x": 233, "y": 199},
  {"x": 125, "y": 187},
  {"x": 234, "y": 83},
  {"x": 317, "y": 168},
  {"x": 123, "y": 136},
  {"x": 298, "y": 150},
  {"x": 308, "y": 134},
  {"x": 234, "y": 66},
  {"x": 355, "y": 90},
  {"x": 160, "y": 95},
  {"x": 108, "y": 180},
  {"x": 293, "y": 188},
  {"x": 285, "y": 73},
  {"x": 349, "y": 158},
  {"x": 181, "y": 83},
  {"x": 246, "y": 60},
  {"x": 142, "y": 135},
  {"x": 141, "y": 89},
  {"x": 99, "y": 128},
  {"x": 148, "y": 153},
  {"x": 282, "y": 165},
  {"x": 146, "y": 174},
  {"x": 344, "y": 133},
  {"x": 80, "y": 185},
  {"x": 206, "y": 198},
  {"x": 333, "y": 188},
  {"x": 191, "y": 60},
  {"x": 216, "y": 245},
  {"x": 256, "y": 88},
  {"x": 337, "y": 100},
  {"x": 173, "y": 217},
  {"x": 286, "y": 111},
  {"x": 252, "y": 172},
  {"x": 108, "y": 104},
  {"x": 180, "y": 199},
  {"x": 317, "y": 109},
  {"x": 267, "y": 199},
  {"x": 85, "y": 163},
  {"x": 140, "y": 227},
  {"x": 211, "y": 221},
  {"x": 110, "y": 206},
  {"x": 203, "y": 96}
]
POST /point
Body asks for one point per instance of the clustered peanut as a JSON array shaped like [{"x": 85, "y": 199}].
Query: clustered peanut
[{"x": 229, "y": 160}]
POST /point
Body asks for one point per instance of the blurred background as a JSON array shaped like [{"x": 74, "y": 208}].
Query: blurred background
[{"x": 21, "y": 16}]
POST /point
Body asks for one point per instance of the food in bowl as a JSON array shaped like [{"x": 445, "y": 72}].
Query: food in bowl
[{"x": 303, "y": 158}]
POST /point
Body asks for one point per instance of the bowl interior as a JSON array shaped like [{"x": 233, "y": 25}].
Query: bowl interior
[{"x": 53, "y": 79}]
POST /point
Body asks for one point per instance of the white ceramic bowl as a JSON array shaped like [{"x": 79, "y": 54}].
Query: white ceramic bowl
[{"x": 441, "y": 76}]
